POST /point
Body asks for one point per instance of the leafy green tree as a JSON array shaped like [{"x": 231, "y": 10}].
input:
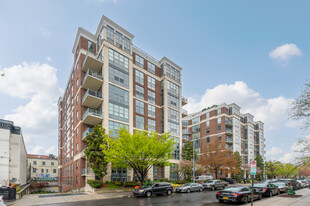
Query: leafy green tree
[
  {"x": 187, "y": 151},
  {"x": 140, "y": 150},
  {"x": 96, "y": 158},
  {"x": 287, "y": 170},
  {"x": 260, "y": 165},
  {"x": 238, "y": 175},
  {"x": 272, "y": 169}
]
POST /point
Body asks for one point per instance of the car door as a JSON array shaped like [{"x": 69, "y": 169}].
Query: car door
[
  {"x": 272, "y": 188},
  {"x": 156, "y": 188}
]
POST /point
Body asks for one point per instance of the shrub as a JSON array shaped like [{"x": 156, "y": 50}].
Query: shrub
[
  {"x": 163, "y": 180},
  {"x": 131, "y": 184},
  {"x": 116, "y": 183},
  {"x": 94, "y": 183}
]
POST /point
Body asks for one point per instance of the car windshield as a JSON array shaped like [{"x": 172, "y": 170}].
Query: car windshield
[
  {"x": 233, "y": 189},
  {"x": 209, "y": 181},
  {"x": 279, "y": 183},
  {"x": 260, "y": 185},
  {"x": 186, "y": 185},
  {"x": 147, "y": 185}
]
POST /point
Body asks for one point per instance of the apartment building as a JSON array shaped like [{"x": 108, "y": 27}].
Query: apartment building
[
  {"x": 13, "y": 154},
  {"x": 42, "y": 166},
  {"x": 236, "y": 131},
  {"x": 115, "y": 84}
]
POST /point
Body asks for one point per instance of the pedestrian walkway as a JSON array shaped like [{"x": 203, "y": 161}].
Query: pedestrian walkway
[
  {"x": 304, "y": 200},
  {"x": 39, "y": 199}
]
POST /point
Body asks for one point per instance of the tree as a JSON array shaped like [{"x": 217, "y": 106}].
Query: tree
[
  {"x": 140, "y": 150},
  {"x": 287, "y": 170},
  {"x": 187, "y": 151},
  {"x": 93, "y": 151},
  {"x": 238, "y": 175},
  {"x": 185, "y": 169},
  {"x": 217, "y": 159},
  {"x": 259, "y": 167},
  {"x": 272, "y": 169}
]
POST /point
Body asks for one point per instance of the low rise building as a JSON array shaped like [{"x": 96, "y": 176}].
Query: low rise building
[
  {"x": 42, "y": 166},
  {"x": 13, "y": 154}
]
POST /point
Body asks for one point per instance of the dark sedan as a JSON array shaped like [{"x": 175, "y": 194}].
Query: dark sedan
[
  {"x": 154, "y": 188},
  {"x": 291, "y": 183},
  {"x": 238, "y": 194},
  {"x": 267, "y": 189}
]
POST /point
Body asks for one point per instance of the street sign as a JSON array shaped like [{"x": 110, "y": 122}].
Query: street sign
[{"x": 253, "y": 167}]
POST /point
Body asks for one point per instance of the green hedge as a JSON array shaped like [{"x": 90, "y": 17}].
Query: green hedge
[{"x": 94, "y": 183}]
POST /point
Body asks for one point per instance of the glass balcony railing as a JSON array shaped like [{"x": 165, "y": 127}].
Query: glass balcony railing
[
  {"x": 229, "y": 139},
  {"x": 228, "y": 121},
  {"x": 92, "y": 93},
  {"x": 184, "y": 112},
  {"x": 184, "y": 100},
  {"x": 228, "y": 130},
  {"x": 86, "y": 132},
  {"x": 94, "y": 112},
  {"x": 93, "y": 74}
]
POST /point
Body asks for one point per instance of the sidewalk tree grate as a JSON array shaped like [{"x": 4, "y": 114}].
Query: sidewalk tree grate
[{"x": 290, "y": 196}]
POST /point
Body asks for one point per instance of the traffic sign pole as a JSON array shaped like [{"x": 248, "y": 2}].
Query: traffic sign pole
[{"x": 253, "y": 173}]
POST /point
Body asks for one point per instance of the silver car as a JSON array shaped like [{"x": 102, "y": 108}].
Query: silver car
[{"x": 190, "y": 187}]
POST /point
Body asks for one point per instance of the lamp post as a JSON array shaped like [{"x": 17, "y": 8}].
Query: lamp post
[{"x": 193, "y": 162}]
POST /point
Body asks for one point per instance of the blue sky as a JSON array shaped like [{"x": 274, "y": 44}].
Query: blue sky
[{"x": 224, "y": 48}]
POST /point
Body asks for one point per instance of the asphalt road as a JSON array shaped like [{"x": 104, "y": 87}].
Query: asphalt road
[{"x": 205, "y": 198}]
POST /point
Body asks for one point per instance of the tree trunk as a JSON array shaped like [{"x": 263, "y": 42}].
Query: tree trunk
[{"x": 215, "y": 173}]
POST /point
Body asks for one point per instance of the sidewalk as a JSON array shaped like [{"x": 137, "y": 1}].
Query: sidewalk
[
  {"x": 40, "y": 199},
  {"x": 286, "y": 201}
]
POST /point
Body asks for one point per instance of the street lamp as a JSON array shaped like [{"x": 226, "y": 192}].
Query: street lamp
[{"x": 193, "y": 161}]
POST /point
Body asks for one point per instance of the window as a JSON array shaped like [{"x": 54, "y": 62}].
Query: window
[
  {"x": 219, "y": 137},
  {"x": 46, "y": 170},
  {"x": 173, "y": 88},
  {"x": 172, "y": 72},
  {"x": 173, "y": 128},
  {"x": 196, "y": 128},
  {"x": 208, "y": 131},
  {"x": 110, "y": 35},
  {"x": 119, "y": 59},
  {"x": 151, "y": 67},
  {"x": 208, "y": 123},
  {"x": 219, "y": 128},
  {"x": 34, "y": 170},
  {"x": 151, "y": 82},
  {"x": 139, "y": 77},
  {"x": 173, "y": 115},
  {"x": 208, "y": 139},
  {"x": 77, "y": 148},
  {"x": 77, "y": 165},
  {"x": 139, "y": 92},
  {"x": 151, "y": 125},
  {"x": 43, "y": 163},
  {"x": 139, "y": 61},
  {"x": 91, "y": 46},
  {"x": 218, "y": 111},
  {"x": 77, "y": 115},
  {"x": 119, "y": 40},
  {"x": 77, "y": 83},
  {"x": 118, "y": 112},
  {"x": 76, "y": 180},
  {"x": 196, "y": 120},
  {"x": 196, "y": 135},
  {"x": 114, "y": 127},
  {"x": 151, "y": 111},
  {"x": 139, "y": 122},
  {"x": 173, "y": 101},
  {"x": 219, "y": 120},
  {"x": 118, "y": 95},
  {"x": 42, "y": 171},
  {"x": 126, "y": 44},
  {"x": 139, "y": 107},
  {"x": 118, "y": 77},
  {"x": 151, "y": 97},
  {"x": 34, "y": 162},
  {"x": 52, "y": 163},
  {"x": 207, "y": 115}
]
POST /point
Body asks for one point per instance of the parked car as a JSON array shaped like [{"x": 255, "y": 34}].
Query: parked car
[
  {"x": 150, "y": 189},
  {"x": 238, "y": 194},
  {"x": 204, "y": 177},
  {"x": 270, "y": 181},
  {"x": 1, "y": 201},
  {"x": 291, "y": 183},
  {"x": 267, "y": 189},
  {"x": 281, "y": 186},
  {"x": 303, "y": 183},
  {"x": 214, "y": 184},
  {"x": 190, "y": 187},
  {"x": 229, "y": 180}
]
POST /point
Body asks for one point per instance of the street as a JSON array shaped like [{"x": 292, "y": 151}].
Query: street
[{"x": 195, "y": 198}]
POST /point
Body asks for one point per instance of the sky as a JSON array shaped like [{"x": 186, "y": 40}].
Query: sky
[{"x": 253, "y": 53}]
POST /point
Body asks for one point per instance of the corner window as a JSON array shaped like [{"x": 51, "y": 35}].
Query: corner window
[
  {"x": 127, "y": 44},
  {"x": 110, "y": 35},
  {"x": 119, "y": 40},
  {"x": 151, "y": 67},
  {"x": 91, "y": 46},
  {"x": 139, "y": 61}
]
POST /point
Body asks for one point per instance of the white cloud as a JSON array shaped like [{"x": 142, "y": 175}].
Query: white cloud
[
  {"x": 103, "y": 1},
  {"x": 285, "y": 52},
  {"x": 48, "y": 58},
  {"x": 273, "y": 111},
  {"x": 37, "y": 84},
  {"x": 42, "y": 150},
  {"x": 274, "y": 151},
  {"x": 44, "y": 32}
]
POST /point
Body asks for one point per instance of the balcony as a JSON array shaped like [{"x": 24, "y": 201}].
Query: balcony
[
  {"x": 184, "y": 101},
  {"x": 228, "y": 131},
  {"x": 92, "y": 99},
  {"x": 184, "y": 113},
  {"x": 92, "y": 62},
  {"x": 229, "y": 140},
  {"x": 86, "y": 132},
  {"x": 229, "y": 122},
  {"x": 92, "y": 80},
  {"x": 92, "y": 117},
  {"x": 228, "y": 147},
  {"x": 186, "y": 131},
  {"x": 83, "y": 171}
]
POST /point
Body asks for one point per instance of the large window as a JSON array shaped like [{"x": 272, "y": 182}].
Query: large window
[
  {"x": 91, "y": 46},
  {"x": 151, "y": 125},
  {"x": 139, "y": 77},
  {"x": 196, "y": 120},
  {"x": 139, "y": 122},
  {"x": 126, "y": 44},
  {"x": 119, "y": 59},
  {"x": 118, "y": 95},
  {"x": 173, "y": 72},
  {"x": 173, "y": 128},
  {"x": 119, "y": 40},
  {"x": 196, "y": 128},
  {"x": 114, "y": 127},
  {"x": 110, "y": 34},
  {"x": 173, "y": 101},
  {"x": 139, "y": 107},
  {"x": 139, "y": 61},
  {"x": 151, "y": 67},
  {"x": 151, "y": 111},
  {"x": 219, "y": 120},
  {"x": 118, "y": 76},
  {"x": 173, "y": 115},
  {"x": 207, "y": 123},
  {"x": 173, "y": 88},
  {"x": 118, "y": 112},
  {"x": 151, "y": 97},
  {"x": 139, "y": 92},
  {"x": 151, "y": 82}
]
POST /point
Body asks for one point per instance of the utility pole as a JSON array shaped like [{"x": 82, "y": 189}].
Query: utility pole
[{"x": 193, "y": 162}]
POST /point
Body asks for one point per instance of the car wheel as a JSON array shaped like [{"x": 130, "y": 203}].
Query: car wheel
[
  {"x": 270, "y": 194},
  {"x": 169, "y": 192},
  {"x": 221, "y": 201},
  {"x": 148, "y": 194},
  {"x": 212, "y": 188},
  {"x": 245, "y": 200},
  {"x": 260, "y": 196},
  {"x": 188, "y": 190},
  {"x": 278, "y": 192},
  {"x": 200, "y": 190}
]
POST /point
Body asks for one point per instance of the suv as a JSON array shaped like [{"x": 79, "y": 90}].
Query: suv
[
  {"x": 150, "y": 189},
  {"x": 229, "y": 180},
  {"x": 291, "y": 183},
  {"x": 214, "y": 184}
]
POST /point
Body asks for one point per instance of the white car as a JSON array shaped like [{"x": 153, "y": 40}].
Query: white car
[
  {"x": 204, "y": 177},
  {"x": 302, "y": 183},
  {"x": 1, "y": 201}
]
